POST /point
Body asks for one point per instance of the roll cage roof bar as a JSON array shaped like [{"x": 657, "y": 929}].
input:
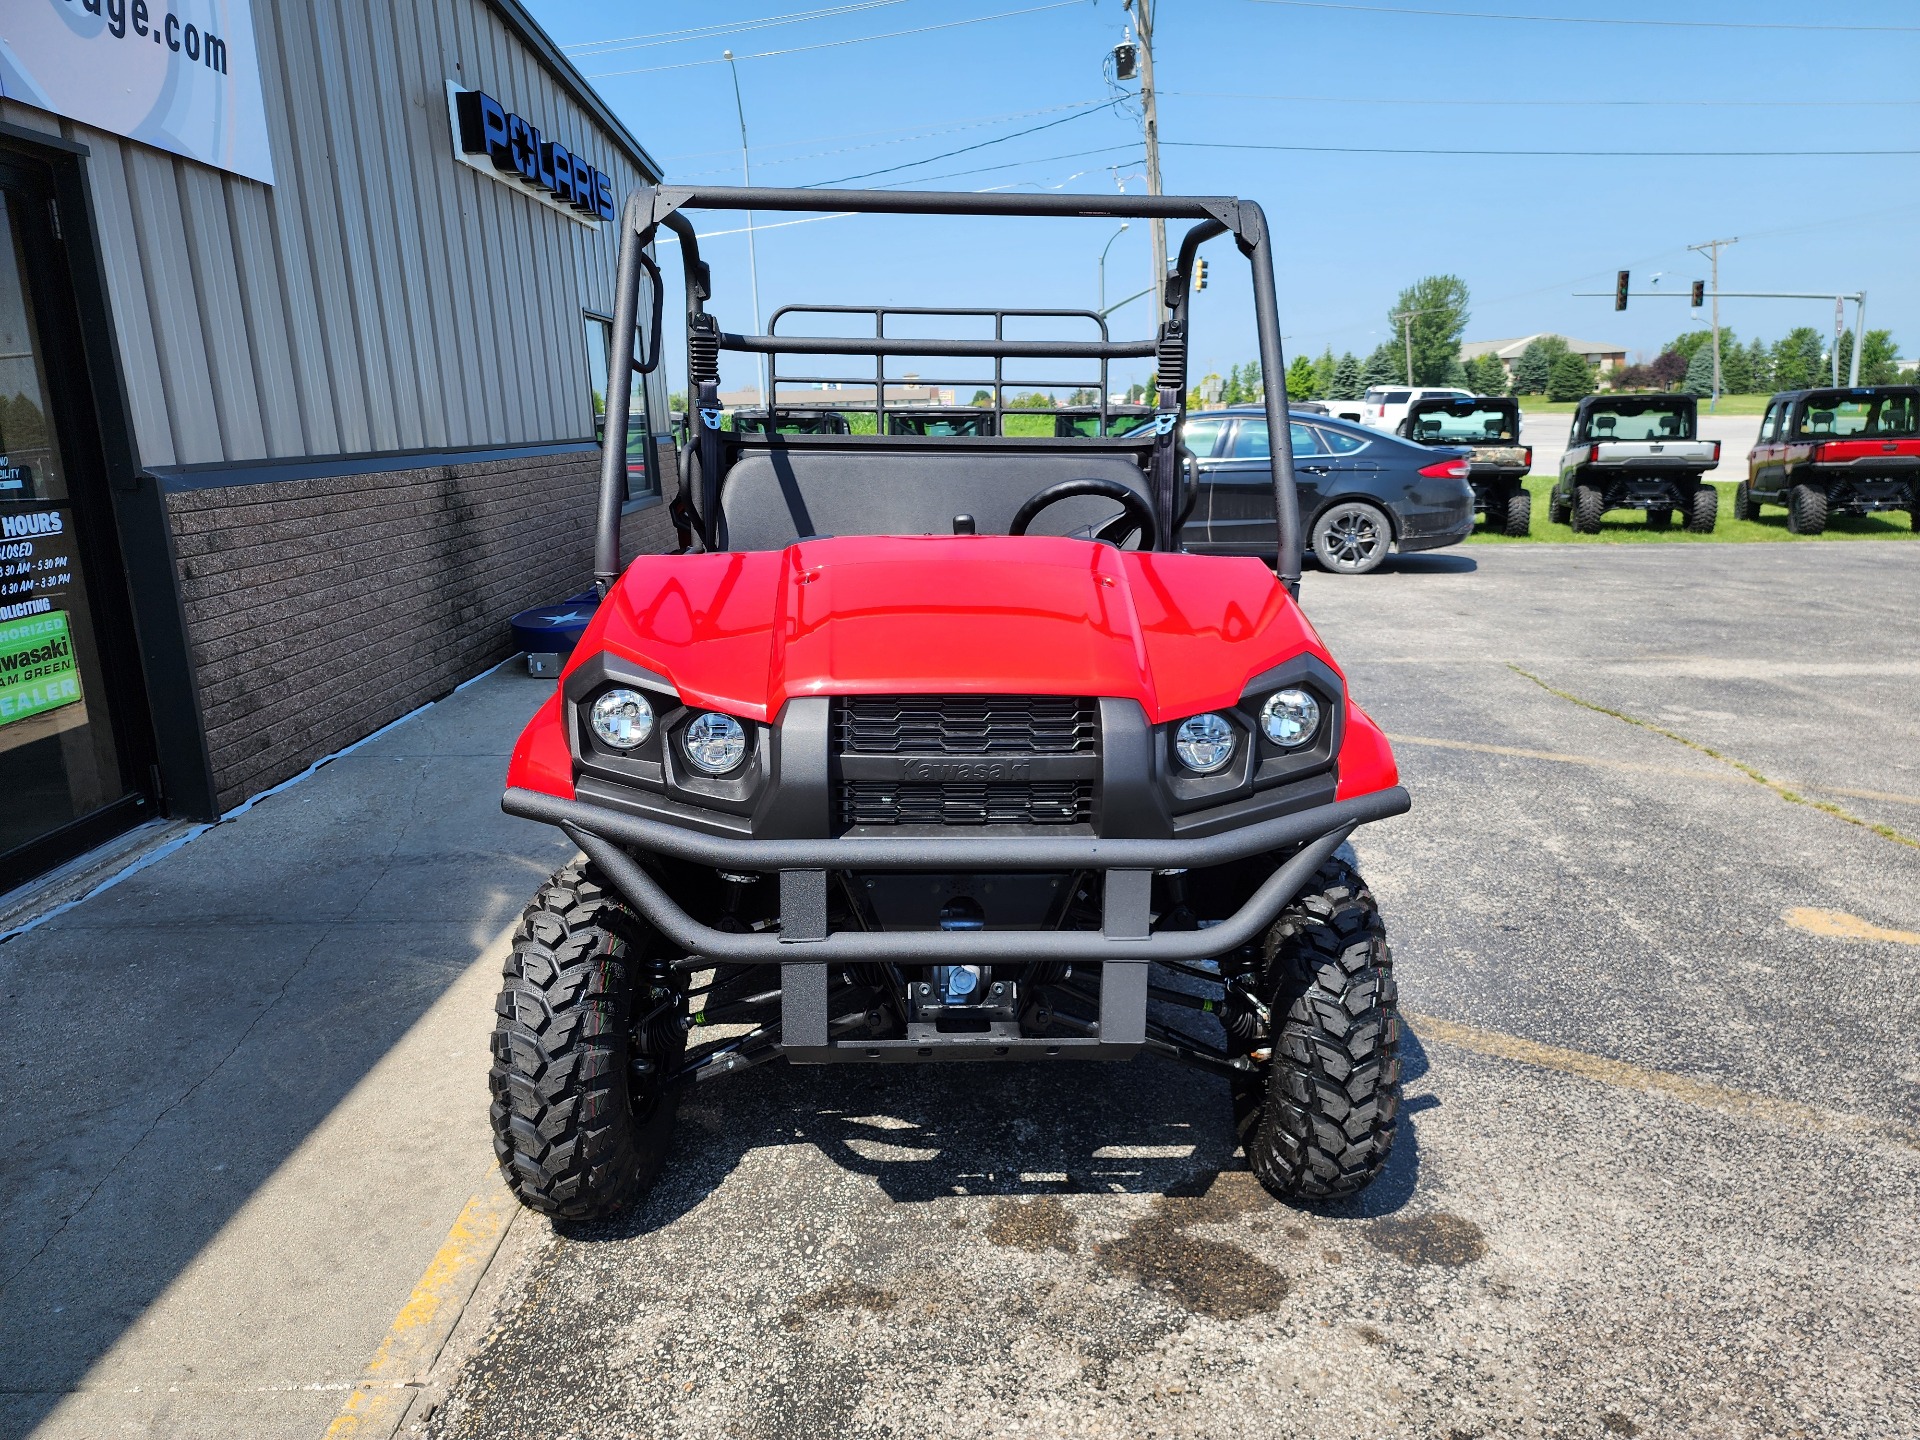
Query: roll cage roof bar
[{"x": 650, "y": 207}]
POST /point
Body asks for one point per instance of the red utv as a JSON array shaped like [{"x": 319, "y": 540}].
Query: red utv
[
  {"x": 1850, "y": 451},
  {"x": 936, "y": 748}
]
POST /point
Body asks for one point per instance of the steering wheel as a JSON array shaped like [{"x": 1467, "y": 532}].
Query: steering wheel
[{"x": 1137, "y": 510}]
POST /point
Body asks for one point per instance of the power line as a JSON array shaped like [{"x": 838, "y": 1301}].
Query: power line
[
  {"x": 1410, "y": 100},
  {"x": 1016, "y": 164},
  {"x": 834, "y": 44},
  {"x": 1543, "y": 154},
  {"x": 1592, "y": 19},
  {"x": 963, "y": 150},
  {"x": 720, "y": 30},
  {"x": 902, "y": 133}
]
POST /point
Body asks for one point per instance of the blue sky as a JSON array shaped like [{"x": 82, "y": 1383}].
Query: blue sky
[{"x": 1524, "y": 232}]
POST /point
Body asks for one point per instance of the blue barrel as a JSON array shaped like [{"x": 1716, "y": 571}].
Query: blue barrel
[{"x": 554, "y": 629}]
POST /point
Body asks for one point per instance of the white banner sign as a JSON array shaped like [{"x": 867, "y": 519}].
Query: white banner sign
[{"x": 181, "y": 75}]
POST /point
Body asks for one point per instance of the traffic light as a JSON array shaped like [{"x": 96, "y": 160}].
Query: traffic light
[
  {"x": 1699, "y": 293},
  {"x": 1200, "y": 275},
  {"x": 1620, "y": 291}
]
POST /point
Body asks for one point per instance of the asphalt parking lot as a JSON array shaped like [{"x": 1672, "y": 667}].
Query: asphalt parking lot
[
  {"x": 1659, "y": 1173},
  {"x": 1660, "y": 1170}
]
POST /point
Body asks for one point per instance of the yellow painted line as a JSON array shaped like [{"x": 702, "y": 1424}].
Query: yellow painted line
[
  {"x": 1619, "y": 1075},
  {"x": 388, "y": 1384},
  {"x": 1839, "y": 925}
]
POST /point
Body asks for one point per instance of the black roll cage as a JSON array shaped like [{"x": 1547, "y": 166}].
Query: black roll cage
[{"x": 650, "y": 207}]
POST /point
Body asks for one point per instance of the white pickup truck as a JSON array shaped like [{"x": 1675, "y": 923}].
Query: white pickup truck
[{"x": 1636, "y": 452}]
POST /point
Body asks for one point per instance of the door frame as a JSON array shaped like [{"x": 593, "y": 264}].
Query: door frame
[{"x": 126, "y": 547}]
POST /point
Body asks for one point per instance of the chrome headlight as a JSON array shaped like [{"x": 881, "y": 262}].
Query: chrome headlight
[
  {"x": 1290, "y": 718},
  {"x": 622, "y": 719},
  {"x": 715, "y": 743},
  {"x": 1204, "y": 743}
]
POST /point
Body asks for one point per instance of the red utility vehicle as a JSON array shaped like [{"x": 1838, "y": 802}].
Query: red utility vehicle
[
  {"x": 1848, "y": 451},
  {"x": 937, "y": 748}
]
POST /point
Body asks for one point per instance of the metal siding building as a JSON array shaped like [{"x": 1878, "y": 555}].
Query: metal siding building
[{"x": 343, "y": 422}]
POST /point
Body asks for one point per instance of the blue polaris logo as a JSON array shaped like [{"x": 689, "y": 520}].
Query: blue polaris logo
[{"x": 518, "y": 149}]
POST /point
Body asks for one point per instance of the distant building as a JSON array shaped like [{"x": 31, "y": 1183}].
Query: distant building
[{"x": 1602, "y": 357}]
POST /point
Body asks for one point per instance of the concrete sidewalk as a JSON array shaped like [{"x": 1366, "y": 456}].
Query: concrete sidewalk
[{"x": 247, "y": 1096}]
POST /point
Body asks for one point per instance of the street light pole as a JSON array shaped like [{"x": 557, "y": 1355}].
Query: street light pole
[
  {"x": 1713, "y": 248},
  {"x": 753, "y": 259},
  {"x": 1150, "y": 120},
  {"x": 1103, "y": 267}
]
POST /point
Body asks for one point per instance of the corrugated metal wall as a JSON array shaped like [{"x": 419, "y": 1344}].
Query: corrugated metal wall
[{"x": 380, "y": 295}]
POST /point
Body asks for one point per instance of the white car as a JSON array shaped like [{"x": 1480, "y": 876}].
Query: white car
[{"x": 1384, "y": 406}]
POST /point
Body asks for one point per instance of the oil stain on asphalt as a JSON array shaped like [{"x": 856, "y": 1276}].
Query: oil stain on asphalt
[
  {"x": 1208, "y": 1277},
  {"x": 1437, "y": 1239}
]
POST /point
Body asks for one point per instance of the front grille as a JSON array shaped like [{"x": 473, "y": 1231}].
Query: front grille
[
  {"x": 965, "y": 725},
  {"x": 886, "y": 802}
]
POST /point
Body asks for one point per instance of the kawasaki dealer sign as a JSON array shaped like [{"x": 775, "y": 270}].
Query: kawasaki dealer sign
[{"x": 180, "y": 75}]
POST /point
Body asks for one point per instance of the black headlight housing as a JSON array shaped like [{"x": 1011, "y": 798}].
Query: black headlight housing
[
  {"x": 1258, "y": 764},
  {"x": 658, "y": 763}
]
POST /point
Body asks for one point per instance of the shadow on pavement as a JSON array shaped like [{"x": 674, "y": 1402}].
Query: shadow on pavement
[
  {"x": 177, "y": 1040},
  {"x": 922, "y": 1133}
]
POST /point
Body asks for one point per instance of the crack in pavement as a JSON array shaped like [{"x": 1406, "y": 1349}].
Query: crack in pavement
[{"x": 1792, "y": 797}]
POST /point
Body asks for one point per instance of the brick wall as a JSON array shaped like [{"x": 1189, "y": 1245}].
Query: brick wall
[{"x": 319, "y": 610}]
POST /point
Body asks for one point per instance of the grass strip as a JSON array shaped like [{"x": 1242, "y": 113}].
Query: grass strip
[
  {"x": 1630, "y": 526},
  {"x": 1792, "y": 797}
]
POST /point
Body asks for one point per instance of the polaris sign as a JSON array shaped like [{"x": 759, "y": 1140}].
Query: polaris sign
[{"x": 497, "y": 142}]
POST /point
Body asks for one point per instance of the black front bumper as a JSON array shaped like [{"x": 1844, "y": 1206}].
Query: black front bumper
[{"x": 806, "y": 950}]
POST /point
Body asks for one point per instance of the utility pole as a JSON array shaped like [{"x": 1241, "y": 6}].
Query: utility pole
[
  {"x": 1713, "y": 248},
  {"x": 1406, "y": 334},
  {"x": 1150, "y": 118},
  {"x": 753, "y": 259}
]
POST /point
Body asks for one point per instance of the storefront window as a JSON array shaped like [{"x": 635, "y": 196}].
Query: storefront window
[{"x": 641, "y": 461}]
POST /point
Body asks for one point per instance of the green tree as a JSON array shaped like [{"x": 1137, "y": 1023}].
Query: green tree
[
  {"x": 1534, "y": 368},
  {"x": 1699, "y": 379},
  {"x": 1032, "y": 400},
  {"x": 1346, "y": 379},
  {"x": 1485, "y": 375},
  {"x": 1382, "y": 367},
  {"x": 1759, "y": 367},
  {"x": 1798, "y": 360},
  {"x": 982, "y": 398},
  {"x": 1570, "y": 378},
  {"x": 1736, "y": 367},
  {"x": 1300, "y": 379},
  {"x": 1326, "y": 373},
  {"x": 1437, "y": 309},
  {"x": 1878, "y": 358},
  {"x": 1689, "y": 344}
]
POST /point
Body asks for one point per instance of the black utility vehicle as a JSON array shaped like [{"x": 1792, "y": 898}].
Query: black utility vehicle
[
  {"x": 1489, "y": 425},
  {"x": 1363, "y": 492},
  {"x": 1835, "y": 452},
  {"x": 1636, "y": 452},
  {"x": 1071, "y": 420}
]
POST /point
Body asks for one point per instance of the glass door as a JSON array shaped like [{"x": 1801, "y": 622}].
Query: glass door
[{"x": 67, "y": 771}]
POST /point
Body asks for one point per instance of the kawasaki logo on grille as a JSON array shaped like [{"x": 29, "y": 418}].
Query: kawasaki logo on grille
[{"x": 976, "y": 770}]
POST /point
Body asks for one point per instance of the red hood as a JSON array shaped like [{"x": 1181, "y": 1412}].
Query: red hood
[{"x": 986, "y": 614}]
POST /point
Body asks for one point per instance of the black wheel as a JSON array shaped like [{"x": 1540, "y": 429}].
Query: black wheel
[
  {"x": 1352, "y": 537},
  {"x": 1745, "y": 507},
  {"x": 1316, "y": 1120},
  {"x": 1589, "y": 505},
  {"x": 588, "y": 1031},
  {"x": 1559, "y": 511},
  {"x": 1659, "y": 519},
  {"x": 1806, "y": 510},
  {"x": 1519, "y": 512},
  {"x": 1703, "y": 510}
]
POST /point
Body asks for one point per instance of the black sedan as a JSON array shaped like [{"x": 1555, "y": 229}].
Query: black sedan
[{"x": 1363, "y": 492}]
